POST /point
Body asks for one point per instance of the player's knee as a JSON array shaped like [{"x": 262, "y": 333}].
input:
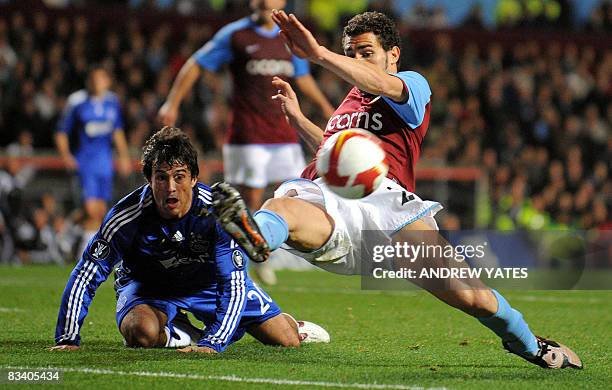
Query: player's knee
[
  {"x": 141, "y": 333},
  {"x": 281, "y": 206}
]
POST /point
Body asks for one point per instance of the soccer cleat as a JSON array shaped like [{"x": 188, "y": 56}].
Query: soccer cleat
[
  {"x": 234, "y": 216},
  {"x": 552, "y": 355},
  {"x": 312, "y": 333},
  {"x": 309, "y": 332},
  {"x": 181, "y": 321}
]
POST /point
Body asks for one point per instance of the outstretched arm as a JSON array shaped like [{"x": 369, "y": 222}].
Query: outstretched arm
[
  {"x": 364, "y": 75},
  {"x": 104, "y": 250},
  {"x": 189, "y": 73},
  {"x": 209, "y": 59},
  {"x": 84, "y": 280},
  {"x": 308, "y": 131}
]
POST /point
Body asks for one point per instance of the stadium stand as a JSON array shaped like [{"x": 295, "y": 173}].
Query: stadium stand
[{"x": 520, "y": 134}]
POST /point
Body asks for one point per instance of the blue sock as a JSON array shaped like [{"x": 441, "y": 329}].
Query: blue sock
[
  {"x": 510, "y": 326},
  {"x": 273, "y": 227}
]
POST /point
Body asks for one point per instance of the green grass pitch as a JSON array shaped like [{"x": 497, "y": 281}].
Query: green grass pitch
[{"x": 379, "y": 340}]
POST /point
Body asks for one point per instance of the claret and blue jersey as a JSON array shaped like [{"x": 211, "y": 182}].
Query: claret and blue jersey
[
  {"x": 253, "y": 55},
  {"x": 400, "y": 125},
  {"x": 190, "y": 263}
]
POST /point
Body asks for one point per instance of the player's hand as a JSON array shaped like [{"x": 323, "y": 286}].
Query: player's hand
[
  {"x": 167, "y": 114},
  {"x": 195, "y": 348},
  {"x": 288, "y": 99},
  {"x": 64, "y": 348},
  {"x": 299, "y": 39},
  {"x": 124, "y": 166},
  {"x": 70, "y": 163}
]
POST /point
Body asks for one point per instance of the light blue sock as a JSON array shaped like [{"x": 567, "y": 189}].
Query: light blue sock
[
  {"x": 510, "y": 326},
  {"x": 273, "y": 227}
]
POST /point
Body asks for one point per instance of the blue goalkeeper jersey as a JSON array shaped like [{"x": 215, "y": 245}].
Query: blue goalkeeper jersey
[
  {"x": 175, "y": 257},
  {"x": 91, "y": 122}
]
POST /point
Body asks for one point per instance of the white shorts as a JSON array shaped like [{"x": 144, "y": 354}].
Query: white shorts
[
  {"x": 258, "y": 165},
  {"x": 388, "y": 209}
]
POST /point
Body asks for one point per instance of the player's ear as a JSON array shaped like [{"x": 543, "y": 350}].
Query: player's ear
[
  {"x": 394, "y": 55},
  {"x": 194, "y": 180}
]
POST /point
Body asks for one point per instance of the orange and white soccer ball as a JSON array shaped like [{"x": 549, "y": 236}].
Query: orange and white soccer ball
[{"x": 352, "y": 163}]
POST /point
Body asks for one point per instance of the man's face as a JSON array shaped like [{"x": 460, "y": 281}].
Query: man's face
[
  {"x": 99, "y": 82},
  {"x": 172, "y": 190},
  {"x": 367, "y": 47},
  {"x": 264, "y": 7}
]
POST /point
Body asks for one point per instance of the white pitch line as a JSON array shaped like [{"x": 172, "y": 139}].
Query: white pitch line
[
  {"x": 10, "y": 310},
  {"x": 224, "y": 378}
]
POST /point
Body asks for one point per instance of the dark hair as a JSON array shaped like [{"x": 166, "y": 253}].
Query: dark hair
[
  {"x": 171, "y": 146},
  {"x": 375, "y": 22},
  {"x": 95, "y": 67}
]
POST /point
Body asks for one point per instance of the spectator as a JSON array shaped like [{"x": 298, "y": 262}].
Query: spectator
[
  {"x": 23, "y": 147},
  {"x": 527, "y": 104}
]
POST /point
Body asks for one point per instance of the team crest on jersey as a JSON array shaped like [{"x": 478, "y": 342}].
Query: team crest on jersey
[
  {"x": 100, "y": 249},
  {"x": 238, "y": 258}
]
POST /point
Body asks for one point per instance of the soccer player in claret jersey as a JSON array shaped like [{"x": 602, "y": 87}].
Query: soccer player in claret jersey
[
  {"x": 307, "y": 219},
  {"x": 173, "y": 256},
  {"x": 261, "y": 147}
]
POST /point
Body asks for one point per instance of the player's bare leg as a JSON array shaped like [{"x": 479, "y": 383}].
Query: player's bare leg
[
  {"x": 309, "y": 224},
  {"x": 143, "y": 327},
  {"x": 95, "y": 210},
  {"x": 304, "y": 225},
  {"x": 276, "y": 331},
  {"x": 470, "y": 296},
  {"x": 473, "y": 297},
  {"x": 253, "y": 197}
]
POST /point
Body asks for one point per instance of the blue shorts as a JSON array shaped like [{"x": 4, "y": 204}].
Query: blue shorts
[
  {"x": 259, "y": 306},
  {"x": 96, "y": 185}
]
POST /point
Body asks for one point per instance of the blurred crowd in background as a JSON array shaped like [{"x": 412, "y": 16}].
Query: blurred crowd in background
[{"x": 535, "y": 115}]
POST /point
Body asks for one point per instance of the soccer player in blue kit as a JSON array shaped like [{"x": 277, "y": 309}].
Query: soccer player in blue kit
[
  {"x": 173, "y": 256},
  {"x": 93, "y": 117},
  {"x": 261, "y": 148}
]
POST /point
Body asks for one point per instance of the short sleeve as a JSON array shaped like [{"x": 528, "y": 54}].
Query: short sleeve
[
  {"x": 69, "y": 116},
  {"x": 218, "y": 51},
  {"x": 300, "y": 66},
  {"x": 413, "y": 110}
]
